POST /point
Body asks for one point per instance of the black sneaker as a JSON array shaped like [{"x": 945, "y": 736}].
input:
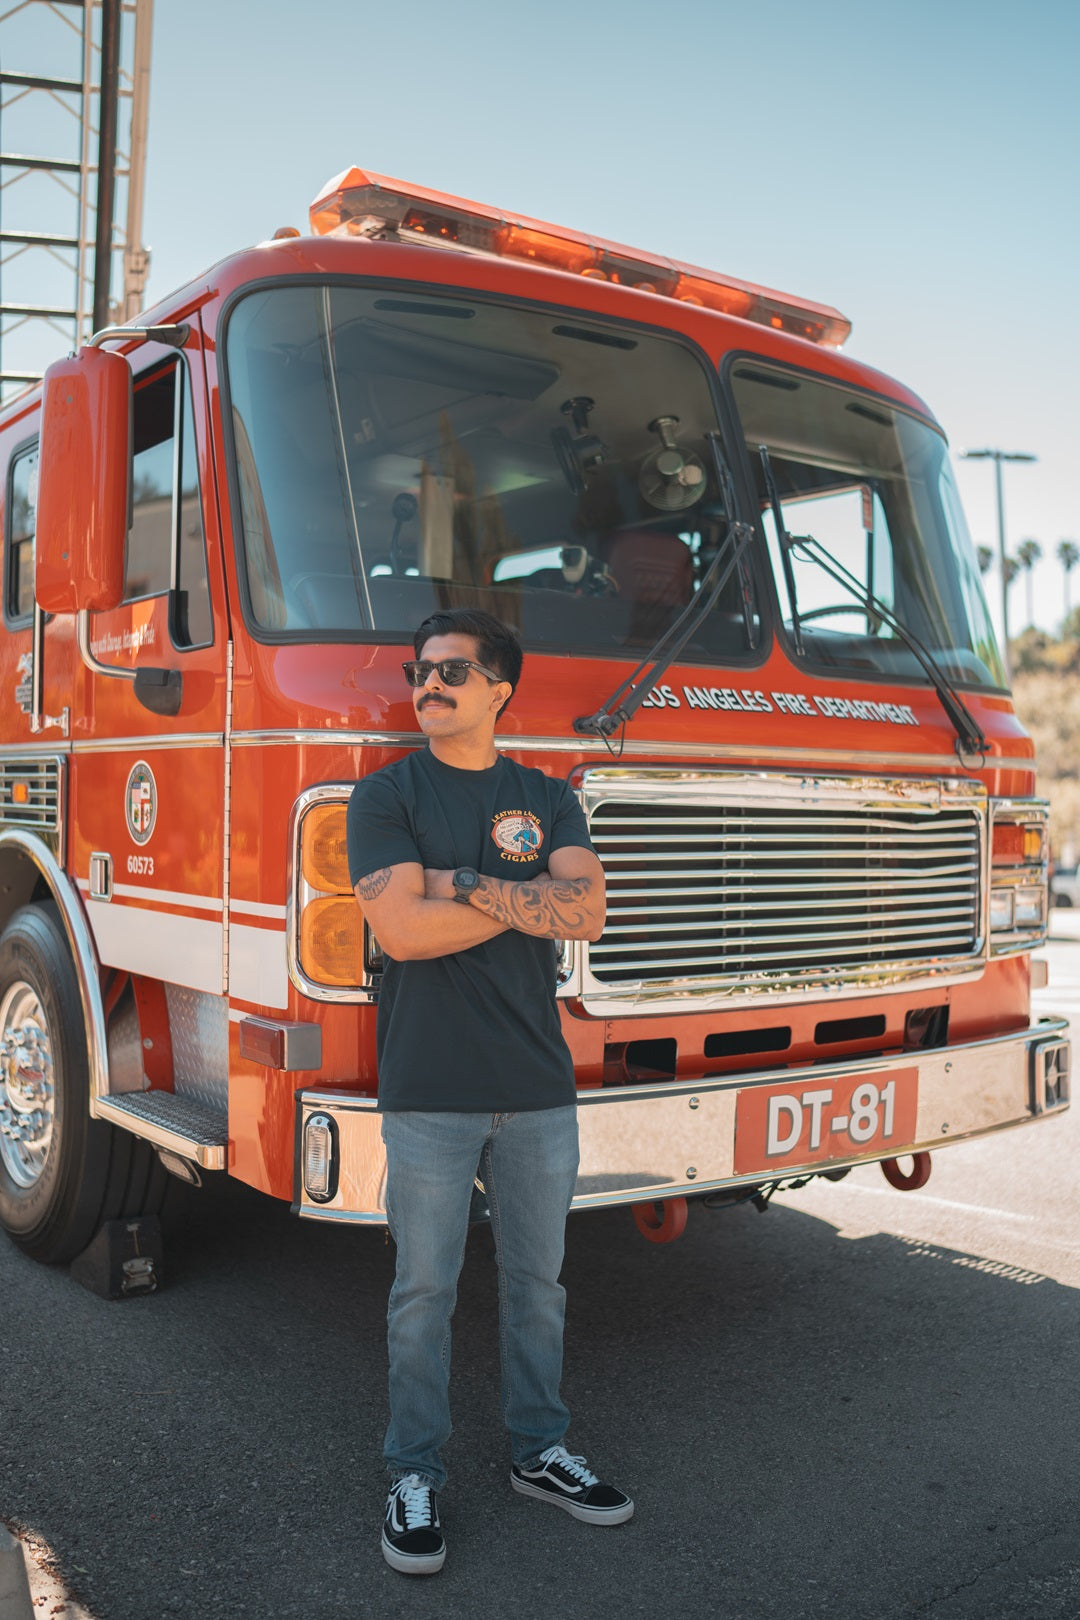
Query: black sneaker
[
  {"x": 568, "y": 1481},
  {"x": 412, "y": 1541}
]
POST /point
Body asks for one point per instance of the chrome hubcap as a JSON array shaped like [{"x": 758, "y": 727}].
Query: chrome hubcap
[{"x": 27, "y": 1096}]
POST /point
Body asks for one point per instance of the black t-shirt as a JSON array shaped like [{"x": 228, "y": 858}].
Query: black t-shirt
[{"x": 477, "y": 1030}]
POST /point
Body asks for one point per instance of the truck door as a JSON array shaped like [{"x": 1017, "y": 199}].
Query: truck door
[{"x": 147, "y": 788}]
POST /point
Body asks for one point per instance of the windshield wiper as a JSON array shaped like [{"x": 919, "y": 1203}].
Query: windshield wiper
[
  {"x": 969, "y": 735},
  {"x": 625, "y": 701}
]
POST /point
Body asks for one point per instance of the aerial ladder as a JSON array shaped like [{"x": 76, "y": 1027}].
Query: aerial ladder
[{"x": 74, "y": 95}]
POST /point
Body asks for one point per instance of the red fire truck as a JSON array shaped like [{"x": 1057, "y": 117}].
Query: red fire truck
[{"x": 756, "y": 645}]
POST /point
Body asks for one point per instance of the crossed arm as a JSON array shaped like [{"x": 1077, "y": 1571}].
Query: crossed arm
[{"x": 413, "y": 913}]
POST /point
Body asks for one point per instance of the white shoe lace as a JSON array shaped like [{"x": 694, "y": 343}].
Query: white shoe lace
[
  {"x": 415, "y": 1498},
  {"x": 576, "y": 1467}
]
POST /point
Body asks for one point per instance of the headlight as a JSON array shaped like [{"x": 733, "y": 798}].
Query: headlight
[
  {"x": 331, "y": 929},
  {"x": 1002, "y": 910}
]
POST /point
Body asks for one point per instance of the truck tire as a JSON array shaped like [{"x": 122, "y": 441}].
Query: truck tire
[{"x": 61, "y": 1173}]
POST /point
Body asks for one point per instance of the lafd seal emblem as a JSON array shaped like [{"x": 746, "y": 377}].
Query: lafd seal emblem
[
  {"x": 518, "y": 834},
  {"x": 140, "y": 802}
]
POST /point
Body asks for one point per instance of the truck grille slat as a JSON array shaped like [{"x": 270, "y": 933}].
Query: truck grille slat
[
  {"x": 935, "y": 914},
  {"x": 716, "y": 892},
  {"x": 822, "y": 890},
  {"x": 30, "y": 793}
]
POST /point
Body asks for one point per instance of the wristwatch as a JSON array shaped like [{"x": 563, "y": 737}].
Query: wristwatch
[{"x": 466, "y": 879}]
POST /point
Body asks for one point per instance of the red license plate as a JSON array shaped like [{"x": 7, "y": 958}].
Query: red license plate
[{"x": 812, "y": 1120}]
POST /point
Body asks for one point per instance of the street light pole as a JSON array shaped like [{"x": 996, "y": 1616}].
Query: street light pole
[{"x": 997, "y": 457}]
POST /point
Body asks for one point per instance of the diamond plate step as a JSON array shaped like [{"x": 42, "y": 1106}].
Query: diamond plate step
[{"x": 161, "y": 1117}]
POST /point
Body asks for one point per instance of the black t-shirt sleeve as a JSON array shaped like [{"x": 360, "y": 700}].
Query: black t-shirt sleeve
[
  {"x": 570, "y": 829},
  {"x": 377, "y": 828}
]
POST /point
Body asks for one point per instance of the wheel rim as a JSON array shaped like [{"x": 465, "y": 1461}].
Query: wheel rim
[{"x": 27, "y": 1093}]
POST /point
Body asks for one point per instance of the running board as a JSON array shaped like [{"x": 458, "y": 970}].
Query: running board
[{"x": 170, "y": 1121}]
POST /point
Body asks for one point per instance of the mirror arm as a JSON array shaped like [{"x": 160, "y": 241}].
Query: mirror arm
[
  {"x": 92, "y": 663},
  {"x": 173, "y": 337},
  {"x": 159, "y": 690}
]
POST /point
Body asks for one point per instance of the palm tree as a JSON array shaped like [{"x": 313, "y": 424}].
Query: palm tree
[
  {"x": 1068, "y": 555},
  {"x": 985, "y": 558},
  {"x": 1028, "y": 553}
]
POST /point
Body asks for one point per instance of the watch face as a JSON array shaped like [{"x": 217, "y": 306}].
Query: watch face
[{"x": 466, "y": 879}]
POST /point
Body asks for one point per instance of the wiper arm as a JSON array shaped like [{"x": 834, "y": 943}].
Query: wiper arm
[
  {"x": 969, "y": 735},
  {"x": 785, "y": 543},
  {"x": 625, "y": 701}
]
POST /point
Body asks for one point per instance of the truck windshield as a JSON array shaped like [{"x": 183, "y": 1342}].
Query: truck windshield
[
  {"x": 873, "y": 484},
  {"x": 399, "y": 451}
]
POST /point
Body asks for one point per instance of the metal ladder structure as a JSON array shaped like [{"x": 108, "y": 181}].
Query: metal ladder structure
[{"x": 70, "y": 220}]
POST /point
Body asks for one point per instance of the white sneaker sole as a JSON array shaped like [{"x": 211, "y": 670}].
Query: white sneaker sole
[
  {"x": 425, "y": 1564},
  {"x": 577, "y": 1510}
]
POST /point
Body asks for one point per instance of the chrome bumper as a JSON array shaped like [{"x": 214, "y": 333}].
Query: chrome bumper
[{"x": 640, "y": 1143}]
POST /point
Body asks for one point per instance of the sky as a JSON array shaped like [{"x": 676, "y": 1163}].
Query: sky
[{"x": 916, "y": 165}]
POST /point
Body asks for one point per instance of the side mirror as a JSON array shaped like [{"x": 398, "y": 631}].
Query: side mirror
[{"x": 84, "y": 483}]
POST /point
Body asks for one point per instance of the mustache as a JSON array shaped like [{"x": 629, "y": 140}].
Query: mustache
[{"x": 434, "y": 697}]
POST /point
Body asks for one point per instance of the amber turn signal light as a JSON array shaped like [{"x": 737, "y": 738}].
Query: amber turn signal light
[{"x": 323, "y": 853}]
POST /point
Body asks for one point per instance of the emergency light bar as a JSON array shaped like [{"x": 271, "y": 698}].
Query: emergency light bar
[{"x": 356, "y": 203}]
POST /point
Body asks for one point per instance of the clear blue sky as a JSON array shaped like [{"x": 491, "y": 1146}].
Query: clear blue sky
[{"x": 915, "y": 165}]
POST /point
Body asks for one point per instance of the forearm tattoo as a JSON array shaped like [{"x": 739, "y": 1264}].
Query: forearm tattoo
[
  {"x": 370, "y": 887},
  {"x": 554, "y": 909}
]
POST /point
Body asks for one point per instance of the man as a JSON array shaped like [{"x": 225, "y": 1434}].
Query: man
[{"x": 468, "y": 868}]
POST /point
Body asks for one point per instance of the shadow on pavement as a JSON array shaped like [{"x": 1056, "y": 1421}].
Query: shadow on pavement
[{"x": 810, "y": 1426}]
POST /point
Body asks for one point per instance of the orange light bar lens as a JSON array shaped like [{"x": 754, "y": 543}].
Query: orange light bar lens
[
  {"x": 331, "y": 940},
  {"x": 324, "y": 859},
  {"x": 557, "y": 252},
  {"x": 714, "y": 295},
  {"x": 357, "y": 203}
]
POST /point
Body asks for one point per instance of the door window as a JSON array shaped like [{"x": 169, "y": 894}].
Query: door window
[{"x": 166, "y": 546}]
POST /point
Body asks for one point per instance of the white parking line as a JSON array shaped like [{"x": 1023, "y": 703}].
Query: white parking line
[{"x": 945, "y": 1203}]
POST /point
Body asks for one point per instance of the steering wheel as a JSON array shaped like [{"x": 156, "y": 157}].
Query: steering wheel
[{"x": 835, "y": 608}]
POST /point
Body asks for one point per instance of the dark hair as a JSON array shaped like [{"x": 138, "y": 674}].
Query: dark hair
[{"x": 496, "y": 644}]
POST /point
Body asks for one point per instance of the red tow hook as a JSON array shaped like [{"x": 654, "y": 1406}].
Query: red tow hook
[
  {"x": 661, "y": 1221},
  {"x": 919, "y": 1176}
]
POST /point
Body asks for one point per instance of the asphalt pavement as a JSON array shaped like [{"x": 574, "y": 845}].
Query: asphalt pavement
[{"x": 860, "y": 1405}]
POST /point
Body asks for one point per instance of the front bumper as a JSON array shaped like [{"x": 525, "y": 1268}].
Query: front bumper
[{"x": 640, "y": 1143}]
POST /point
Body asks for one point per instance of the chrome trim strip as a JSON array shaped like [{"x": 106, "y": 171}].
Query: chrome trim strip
[
  {"x": 116, "y": 745},
  {"x": 33, "y": 750},
  {"x": 738, "y": 754},
  {"x": 299, "y": 893},
  {"x": 678, "y": 1140},
  {"x": 83, "y": 950}
]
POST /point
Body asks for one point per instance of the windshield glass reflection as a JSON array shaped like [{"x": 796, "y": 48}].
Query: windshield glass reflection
[
  {"x": 873, "y": 485},
  {"x": 396, "y": 453}
]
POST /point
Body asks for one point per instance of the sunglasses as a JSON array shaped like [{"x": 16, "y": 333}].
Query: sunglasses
[{"x": 452, "y": 671}]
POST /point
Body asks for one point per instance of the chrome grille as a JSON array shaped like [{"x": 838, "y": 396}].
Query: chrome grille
[
  {"x": 30, "y": 793},
  {"x": 766, "y": 892}
]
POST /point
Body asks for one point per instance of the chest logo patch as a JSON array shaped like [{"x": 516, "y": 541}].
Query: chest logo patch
[{"x": 518, "y": 834}]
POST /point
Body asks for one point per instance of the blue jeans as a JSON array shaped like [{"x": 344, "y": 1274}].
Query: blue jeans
[{"x": 528, "y": 1164}]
